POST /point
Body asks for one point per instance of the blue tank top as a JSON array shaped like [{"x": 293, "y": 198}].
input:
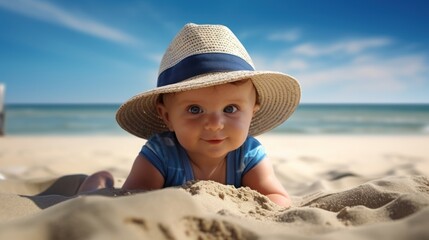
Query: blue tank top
[{"x": 170, "y": 158}]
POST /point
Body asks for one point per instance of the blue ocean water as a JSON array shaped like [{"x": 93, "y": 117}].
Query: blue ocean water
[
  {"x": 69, "y": 119},
  {"x": 92, "y": 119}
]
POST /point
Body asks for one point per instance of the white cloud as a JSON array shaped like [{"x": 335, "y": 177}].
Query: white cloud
[
  {"x": 288, "y": 36},
  {"x": 375, "y": 74},
  {"x": 53, "y": 14},
  {"x": 155, "y": 57},
  {"x": 277, "y": 64},
  {"x": 377, "y": 79},
  {"x": 341, "y": 47},
  {"x": 360, "y": 76}
]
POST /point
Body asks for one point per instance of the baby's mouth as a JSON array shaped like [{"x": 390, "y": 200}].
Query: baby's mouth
[{"x": 215, "y": 140}]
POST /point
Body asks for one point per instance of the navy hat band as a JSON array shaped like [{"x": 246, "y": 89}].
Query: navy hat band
[{"x": 200, "y": 64}]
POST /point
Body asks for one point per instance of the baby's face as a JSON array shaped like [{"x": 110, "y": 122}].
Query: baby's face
[{"x": 212, "y": 121}]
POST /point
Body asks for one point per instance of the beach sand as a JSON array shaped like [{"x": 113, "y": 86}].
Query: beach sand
[{"x": 342, "y": 187}]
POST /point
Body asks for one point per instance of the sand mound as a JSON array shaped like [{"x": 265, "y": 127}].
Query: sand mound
[
  {"x": 208, "y": 210},
  {"x": 342, "y": 187}
]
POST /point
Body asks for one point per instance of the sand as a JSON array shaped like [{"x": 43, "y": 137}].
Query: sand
[{"x": 342, "y": 187}]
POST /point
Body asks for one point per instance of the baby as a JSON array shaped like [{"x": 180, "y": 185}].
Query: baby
[{"x": 201, "y": 119}]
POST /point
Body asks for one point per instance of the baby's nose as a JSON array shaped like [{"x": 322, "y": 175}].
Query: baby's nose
[{"x": 214, "y": 122}]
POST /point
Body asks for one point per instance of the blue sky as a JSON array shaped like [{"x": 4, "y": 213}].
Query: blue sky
[{"x": 105, "y": 51}]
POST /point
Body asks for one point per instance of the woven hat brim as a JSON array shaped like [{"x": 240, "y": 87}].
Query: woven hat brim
[{"x": 279, "y": 95}]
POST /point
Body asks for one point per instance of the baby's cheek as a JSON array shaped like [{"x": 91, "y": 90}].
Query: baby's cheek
[{"x": 185, "y": 140}]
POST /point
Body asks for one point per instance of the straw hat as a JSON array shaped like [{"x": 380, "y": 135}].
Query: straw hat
[{"x": 203, "y": 56}]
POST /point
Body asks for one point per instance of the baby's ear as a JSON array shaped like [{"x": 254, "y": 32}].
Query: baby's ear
[{"x": 163, "y": 113}]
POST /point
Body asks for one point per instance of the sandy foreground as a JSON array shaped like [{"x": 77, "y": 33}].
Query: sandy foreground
[{"x": 342, "y": 187}]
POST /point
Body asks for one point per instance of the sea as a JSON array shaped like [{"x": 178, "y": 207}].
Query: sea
[{"x": 99, "y": 119}]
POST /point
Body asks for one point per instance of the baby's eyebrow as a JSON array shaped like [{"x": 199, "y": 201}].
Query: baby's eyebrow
[{"x": 238, "y": 100}]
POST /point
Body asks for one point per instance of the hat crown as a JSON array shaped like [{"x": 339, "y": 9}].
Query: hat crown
[{"x": 198, "y": 39}]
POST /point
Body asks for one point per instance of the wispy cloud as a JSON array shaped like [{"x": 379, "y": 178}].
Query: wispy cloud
[
  {"x": 373, "y": 74},
  {"x": 342, "y": 47},
  {"x": 280, "y": 63},
  {"x": 288, "y": 36},
  {"x": 358, "y": 77},
  {"x": 50, "y": 13}
]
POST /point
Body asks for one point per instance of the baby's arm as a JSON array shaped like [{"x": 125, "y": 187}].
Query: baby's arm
[
  {"x": 263, "y": 179},
  {"x": 143, "y": 176}
]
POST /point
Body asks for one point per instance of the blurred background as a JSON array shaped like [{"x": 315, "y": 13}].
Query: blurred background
[{"x": 363, "y": 65}]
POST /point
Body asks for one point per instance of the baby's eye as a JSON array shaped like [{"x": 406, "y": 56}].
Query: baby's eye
[
  {"x": 230, "y": 109},
  {"x": 194, "y": 109}
]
